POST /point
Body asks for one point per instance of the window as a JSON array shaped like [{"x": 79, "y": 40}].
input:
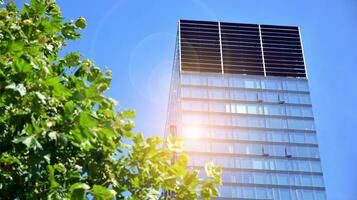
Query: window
[
  {"x": 308, "y": 195},
  {"x": 279, "y": 150},
  {"x": 258, "y": 164},
  {"x": 303, "y": 86},
  {"x": 255, "y": 122},
  {"x": 198, "y": 93},
  {"x": 318, "y": 181},
  {"x": 224, "y": 162},
  {"x": 297, "y": 137},
  {"x": 237, "y": 95},
  {"x": 245, "y": 163},
  {"x": 216, "y": 107},
  {"x": 216, "y": 81},
  {"x": 185, "y": 79},
  {"x": 291, "y": 85},
  {"x": 253, "y": 109},
  {"x": 294, "y": 111},
  {"x": 270, "y": 97},
  {"x": 273, "y": 110},
  {"x": 249, "y": 84},
  {"x": 280, "y": 165},
  {"x": 283, "y": 179},
  {"x": 320, "y": 195},
  {"x": 217, "y": 93},
  {"x": 250, "y": 96},
  {"x": 301, "y": 124},
  {"x": 247, "y": 177},
  {"x": 222, "y": 148},
  {"x": 315, "y": 166},
  {"x": 248, "y": 193},
  {"x": 292, "y": 98},
  {"x": 234, "y": 82},
  {"x": 185, "y": 92},
  {"x": 194, "y": 105},
  {"x": 307, "y": 111},
  {"x": 240, "y": 108},
  {"x": 284, "y": 194},
  {"x": 304, "y": 99},
  {"x": 272, "y": 84},
  {"x": 261, "y": 193},
  {"x": 276, "y": 123},
  {"x": 310, "y": 138},
  {"x": 280, "y": 137},
  {"x": 226, "y": 191},
  {"x": 304, "y": 166}
]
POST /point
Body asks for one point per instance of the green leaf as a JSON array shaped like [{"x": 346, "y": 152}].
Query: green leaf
[
  {"x": 87, "y": 121},
  {"x": 52, "y": 135},
  {"x": 81, "y": 23},
  {"x": 78, "y": 191},
  {"x": 9, "y": 159},
  {"x": 72, "y": 59},
  {"x": 191, "y": 179},
  {"x": 58, "y": 89},
  {"x": 69, "y": 31},
  {"x": 38, "y": 6},
  {"x": 22, "y": 65},
  {"x": 212, "y": 171},
  {"x": 16, "y": 48},
  {"x": 130, "y": 114},
  {"x": 41, "y": 97},
  {"x": 29, "y": 141},
  {"x": 183, "y": 159},
  {"x": 174, "y": 144},
  {"x": 19, "y": 88},
  {"x": 102, "y": 193}
]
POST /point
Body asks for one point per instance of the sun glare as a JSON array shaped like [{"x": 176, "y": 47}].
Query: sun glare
[{"x": 192, "y": 131}]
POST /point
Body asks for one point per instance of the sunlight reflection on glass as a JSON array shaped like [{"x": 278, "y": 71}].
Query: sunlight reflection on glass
[{"x": 192, "y": 131}]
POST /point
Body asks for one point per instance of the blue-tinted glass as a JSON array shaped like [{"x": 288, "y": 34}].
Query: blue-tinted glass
[
  {"x": 306, "y": 180},
  {"x": 248, "y": 192},
  {"x": 315, "y": 166},
  {"x": 284, "y": 194},
  {"x": 257, "y": 164},
  {"x": 318, "y": 181},
  {"x": 319, "y": 195},
  {"x": 308, "y": 195},
  {"x": 261, "y": 193},
  {"x": 304, "y": 166},
  {"x": 283, "y": 179}
]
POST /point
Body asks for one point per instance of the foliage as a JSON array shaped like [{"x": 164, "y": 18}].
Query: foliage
[{"x": 60, "y": 136}]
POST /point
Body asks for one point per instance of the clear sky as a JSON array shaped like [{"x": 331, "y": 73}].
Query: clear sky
[{"x": 136, "y": 40}]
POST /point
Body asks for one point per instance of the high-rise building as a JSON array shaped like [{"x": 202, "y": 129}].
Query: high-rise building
[{"x": 239, "y": 97}]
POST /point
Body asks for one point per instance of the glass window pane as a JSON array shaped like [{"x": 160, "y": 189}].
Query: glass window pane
[
  {"x": 306, "y": 180},
  {"x": 240, "y": 108},
  {"x": 308, "y": 195},
  {"x": 249, "y": 84},
  {"x": 320, "y": 195},
  {"x": 318, "y": 181},
  {"x": 283, "y": 179},
  {"x": 315, "y": 166}
]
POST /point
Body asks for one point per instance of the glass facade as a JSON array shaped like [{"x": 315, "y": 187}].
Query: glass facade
[{"x": 260, "y": 129}]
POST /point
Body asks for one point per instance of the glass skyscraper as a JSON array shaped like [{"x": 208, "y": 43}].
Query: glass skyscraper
[{"x": 239, "y": 97}]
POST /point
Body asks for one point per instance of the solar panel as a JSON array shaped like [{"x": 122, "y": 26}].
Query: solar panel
[{"x": 238, "y": 48}]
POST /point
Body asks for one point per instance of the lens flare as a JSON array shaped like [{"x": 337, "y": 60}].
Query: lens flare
[{"x": 192, "y": 131}]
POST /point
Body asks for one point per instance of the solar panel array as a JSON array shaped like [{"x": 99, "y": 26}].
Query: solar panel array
[{"x": 241, "y": 48}]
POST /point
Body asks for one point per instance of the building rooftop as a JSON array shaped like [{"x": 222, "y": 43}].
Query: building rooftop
[{"x": 239, "y": 48}]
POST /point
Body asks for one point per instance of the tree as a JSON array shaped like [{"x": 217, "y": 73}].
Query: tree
[{"x": 60, "y": 136}]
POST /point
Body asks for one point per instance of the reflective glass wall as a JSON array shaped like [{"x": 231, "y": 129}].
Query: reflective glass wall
[{"x": 259, "y": 129}]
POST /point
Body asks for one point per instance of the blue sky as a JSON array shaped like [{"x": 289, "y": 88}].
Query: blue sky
[{"x": 136, "y": 40}]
